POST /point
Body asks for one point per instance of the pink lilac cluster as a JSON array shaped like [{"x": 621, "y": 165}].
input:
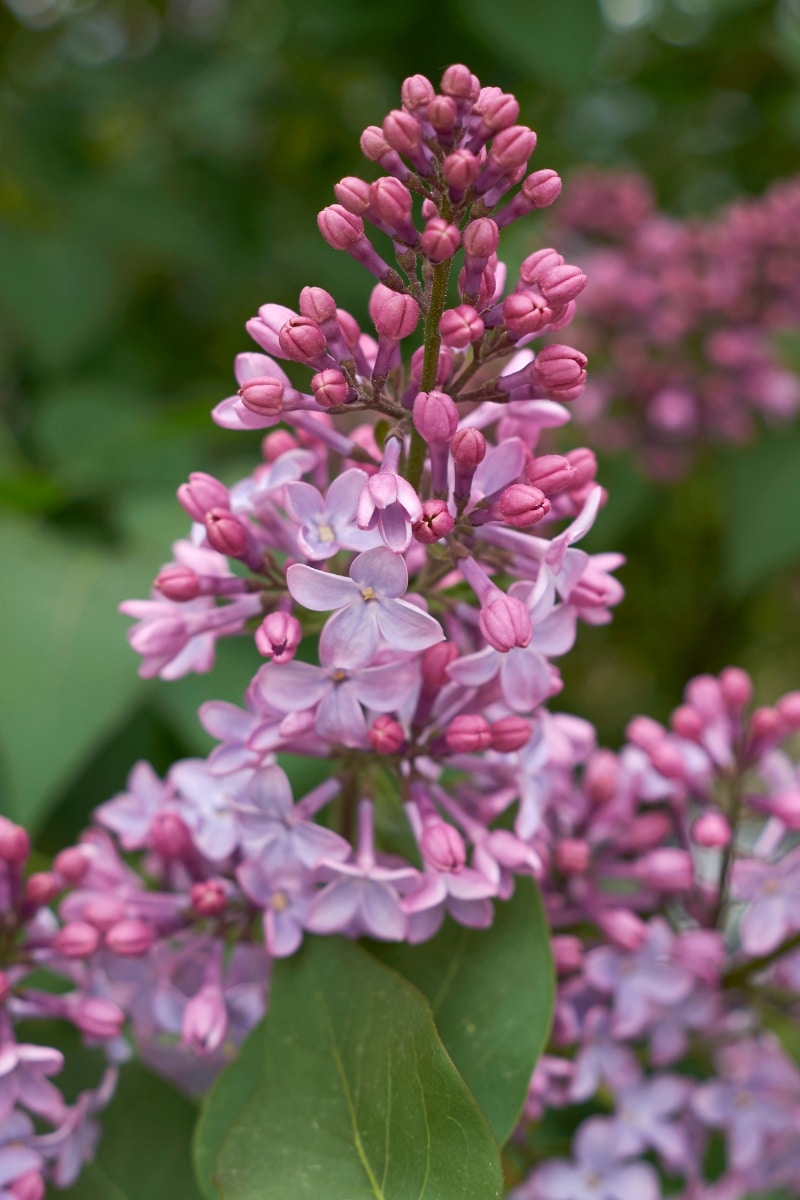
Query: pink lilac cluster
[
  {"x": 681, "y": 317},
  {"x": 673, "y": 889}
]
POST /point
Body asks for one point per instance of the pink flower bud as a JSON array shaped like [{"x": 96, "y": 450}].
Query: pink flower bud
[
  {"x": 353, "y": 194},
  {"x": 783, "y": 805},
  {"x": 205, "y": 1020},
  {"x": 542, "y": 188},
  {"x": 540, "y": 261},
  {"x": 402, "y": 132},
  {"x": 601, "y": 777},
  {"x": 572, "y": 856},
  {"x": 103, "y": 912},
  {"x": 41, "y": 888},
  {"x": 705, "y": 694},
  {"x": 468, "y": 448},
  {"x": 561, "y": 369},
  {"x": 766, "y": 727},
  {"x": 72, "y": 864},
  {"x": 330, "y": 388},
  {"x": 737, "y": 688},
  {"x": 201, "y": 493},
  {"x": 623, "y": 928},
  {"x": 460, "y": 326},
  {"x": 584, "y": 463},
  {"x": 562, "y": 284},
  {"x": 29, "y": 1186},
  {"x": 646, "y": 831},
  {"x": 645, "y": 733},
  {"x": 77, "y": 939},
  {"x": 789, "y": 709},
  {"x": 668, "y": 760},
  {"x": 522, "y": 506},
  {"x": 712, "y": 830},
  {"x": 301, "y": 340},
  {"x": 386, "y": 735},
  {"x": 435, "y": 661},
  {"x": 209, "y": 897},
  {"x": 567, "y": 953},
  {"x": 440, "y": 240},
  {"x": 15, "y": 844},
  {"x": 666, "y": 869},
  {"x": 468, "y": 734},
  {"x": 498, "y": 109},
  {"x": 526, "y": 312},
  {"x": 444, "y": 366},
  {"x": 435, "y": 523},
  {"x": 442, "y": 112},
  {"x": 225, "y": 532},
  {"x": 98, "y": 1018},
  {"x": 393, "y": 314},
  {"x": 178, "y": 583},
  {"x": 505, "y": 622},
  {"x": 263, "y": 395},
  {"x": 459, "y": 82},
  {"x": 131, "y": 938},
  {"x": 170, "y": 836},
  {"x": 687, "y": 722},
  {"x": 278, "y": 636},
  {"x": 461, "y": 169},
  {"x": 5, "y": 987},
  {"x": 340, "y": 228},
  {"x": 513, "y": 147},
  {"x": 442, "y": 846},
  {"x": 416, "y": 92},
  {"x": 277, "y": 443},
  {"x": 510, "y": 733},
  {"x": 317, "y": 304},
  {"x": 480, "y": 237},
  {"x": 391, "y": 200},
  {"x": 435, "y": 416},
  {"x": 551, "y": 473}
]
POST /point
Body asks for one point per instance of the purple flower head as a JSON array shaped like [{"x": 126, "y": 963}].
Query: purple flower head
[
  {"x": 598, "y": 1170},
  {"x": 329, "y": 525}
]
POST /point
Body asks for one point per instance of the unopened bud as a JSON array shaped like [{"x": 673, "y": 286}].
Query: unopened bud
[
  {"x": 567, "y": 953},
  {"x": 41, "y": 888},
  {"x": 687, "y": 722},
  {"x": 459, "y": 82},
  {"x": 170, "y": 836},
  {"x": 468, "y": 448},
  {"x": 394, "y": 314},
  {"x": 510, "y": 733},
  {"x": 77, "y": 939},
  {"x": 562, "y": 284},
  {"x": 330, "y": 387},
  {"x": 513, "y": 147},
  {"x": 542, "y": 188},
  {"x": 72, "y": 864},
  {"x": 15, "y": 844},
  {"x": 340, "y": 228},
  {"x": 561, "y": 370},
  {"x": 435, "y": 416},
  {"x": 435, "y": 661},
  {"x": 263, "y": 395},
  {"x": 301, "y": 339},
  {"x": 789, "y": 709},
  {"x": 209, "y": 897},
  {"x": 526, "y": 312},
  {"x": 202, "y": 493},
  {"x": 416, "y": 92},
  {"x": 712, "y": 830},
  {"x": 667, "y": 869},
  {"x": 505, "y": 623},
  {"x": 442, "y": 112},
  {"x": 551, "y": 473},
  {"x": 461, "y": 326},
  {"x": 468, "y": 734},
  {"x": 439, "y": 240},
  {"x": 623, "y": 928},
  {"x": 522, "y": 506},
  {"x": 435, "y": 523},
  {"x": 498, "y": 109},
  {"x": 461, "y": 169},
  {"x": 317, "y": 304},
  {"x": 442, "y": 846},
  {"x": 278, "y": 636},
  {"x": 601, "y": 777},
  {"x": 572, "y": 856},
  {"x": 480, "y": 238},
  {"x": 104, "y": 911},
  {"x": 584, "y": 463},
  {"x": 225, "y": 532},
  {"x": 386, "y": 735},
  {"x": 30, "y": 1186},
  {"x": 131, "y": 938},
  {"x": 178, "y": 583},
  {"x": 402, "y": 132},
  {"x": 98, "y": 1018},
  {"x": 353, "y": 194}
]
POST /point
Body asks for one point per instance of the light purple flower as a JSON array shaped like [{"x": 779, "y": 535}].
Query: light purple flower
[
  {"x": 17, "y": 1155},
  {"x": 278, "y": 832},
  {"x": 389, "y": 503},
  {"x": 598, "y": 1171},
  {"x": 772, "y": 893},
  {"x": 22, "y": 1078},
  {"x": 645, "y": 1120},
  {"x": 209, "y": 805},
  {"x": 328, "y": 525}
]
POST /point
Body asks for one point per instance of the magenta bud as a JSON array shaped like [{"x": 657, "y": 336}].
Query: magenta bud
[
  {"x": 468, "y": 448},
  {"x": 130, "y": 938},
  {"x": 542, "y": 188},
  {"x": 103, "y": 912},
  {"x": 435, "y": 523},
  {"x": 551, "y": 473},
  {"x": 704, "y": 693},
  {"x": 460, "y": 326},
  {"x": 317, "y": 304},
  {"x": 374, "y": 145},
  {"x": 435, "y": 416},
  {"x": 264, "y": 394},
  {"x": 667, "y": 869},
  {"x": 668, "y": 760},
  {"x": 562, "y": 284},
  {"x": 572, "y": 856},
  {"x": 178, "y": 583},
  {"x": 402, "y": 132},
  {"x": 505, "y": 623},
  {"x": 646, "y": 831},
  {"x": 170, "y": 836},
  {"x": 205, "y": 1020},
  {"x": 41, "y": 888},
  {"x": 468, "y": 734},
  {"x": 510, "y": 733},
  {"x": 301, "y": 340},
  {"x": 278, "y": 636},
  {"x": 513, "y": 147},
  {"x": 498, "y": 109},
  {"x": 789, "y": 709},
  {"x": 386, "y": 735},
  {"x": 71, "y": 864},
  {"x": 522, "y": 506},
  {"x": 601, "y": 777},
  {"x": 440, "y": 240},
  {"x": 459, "y": 82},
  {"x": 540, "y": 261},
  {"x": 623, "y": 928},
  {"x": 416, "y": 92},
  {"x": 394, "y": 314},
  {"x": 391, "y": 200},
  {"x": 737, "y": 688},
  {"x": 645, "y": 733},
  {"x": 225, "y": 532},
  {"x": 442, "y": 846},
  {"x": 77, "y": 939},
  {"x": 687, "y": 722},
  {"x": 340, "y": 228},
  {"x": 480, "y": 237},
  {"x": 330, "y": 388},
  {"x": 712, "y": 830},
  {"x": 5, "y": 987},
  {"x": 279, "y": 442},
  {"x": 442, "y": 112},
  {"x": 30, "y": 1186},
  {"x": 435, "y": 661},
  {"x": 526, "y": 312},
  {"x": 201, "y": 493},
  {"x": 461, "y": 169},
  {"x": 584, "y": 463},
  {"x": 766, "y": 725},
  {"x": 209, "y": 897},
  {"x": 15, "y": 844},
  {"x": 99, "y": 1018},
  {"x": 567, "y": 953},
  {"x": 562, "y": 370},
  {"x": 353, "y": 194}
]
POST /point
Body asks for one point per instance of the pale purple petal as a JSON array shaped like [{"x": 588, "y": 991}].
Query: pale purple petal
[
  {"x": 636, "y": 1181},
  {"x": 320, "y": 590},
  {"x": 406, "y": 627},
  {"x": 251, "y": 365},
  {"x": 380, "y": 912},
  {"x": 526, "y": 678},
  {"x": 334, "y": 908},
  {"x": 386, "y": 687},
  {"x": 350, "y": 637},
  {"x": 555, "y": 635},
  {"x": 558, "y": 1180},
  {"x": 382, "y": 570},
  {"x": 395, "y": 528},
  {"x": 765, "y": 925},
  {"x": 293, "y": 686},
  {"x": 473, "y": 670},
  {"x": 339, "y": 717},
  {"x": 265, "y": 327},
  {"x": 342, "y": 497},
  {"x": 303, "y": 502}
]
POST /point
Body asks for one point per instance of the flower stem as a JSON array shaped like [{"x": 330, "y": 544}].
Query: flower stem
[
  {"x": 430, "y": 363},
  {"x": 740, "y": 974}
]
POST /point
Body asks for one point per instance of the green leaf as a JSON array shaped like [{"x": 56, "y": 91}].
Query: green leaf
[
  {"x": 557, "y": 45},
  {"x": 344, "y": 1090},
  {"x": 491, "y": 992},
  {"x": 761, "y": 533}
]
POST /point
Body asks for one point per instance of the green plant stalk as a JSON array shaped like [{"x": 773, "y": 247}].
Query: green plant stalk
[{"x": 430, "y": 362}]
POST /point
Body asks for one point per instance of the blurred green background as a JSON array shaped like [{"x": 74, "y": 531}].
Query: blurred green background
[{"x": 161, "y": 165}]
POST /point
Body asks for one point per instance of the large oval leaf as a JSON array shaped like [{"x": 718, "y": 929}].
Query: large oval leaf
[
  {"x": 344, "y": 1090},
  {"x": 491, "y": 991}
]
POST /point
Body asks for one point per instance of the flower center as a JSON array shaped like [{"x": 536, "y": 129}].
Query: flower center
[{"x": 368, "y": 593}]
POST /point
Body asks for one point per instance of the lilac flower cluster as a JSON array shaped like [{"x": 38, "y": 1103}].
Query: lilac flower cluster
[
  {"x": 681, "y": 317},
  {"x": 672, "y": 885}
]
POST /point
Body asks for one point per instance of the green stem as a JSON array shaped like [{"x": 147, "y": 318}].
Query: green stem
[
  {"x": 430, "y": 363},
  {"x": 740, "y": 975}
]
